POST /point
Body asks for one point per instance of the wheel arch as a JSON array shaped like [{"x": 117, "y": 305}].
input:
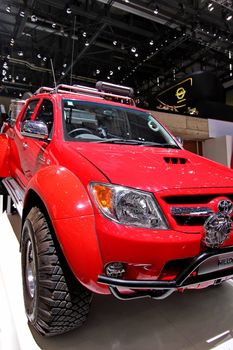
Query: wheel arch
[{"x": 74, "y": 229}]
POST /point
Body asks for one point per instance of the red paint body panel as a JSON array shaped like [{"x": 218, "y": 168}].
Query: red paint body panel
[
  {"x": 4, "y": 156},
  {"x": 60, "y": 173}
]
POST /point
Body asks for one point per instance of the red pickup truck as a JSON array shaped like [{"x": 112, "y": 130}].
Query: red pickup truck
[{"x": 110, "y": 203}]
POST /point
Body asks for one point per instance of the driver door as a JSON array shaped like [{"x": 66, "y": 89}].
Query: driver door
[{"x": 36, "y": 153}]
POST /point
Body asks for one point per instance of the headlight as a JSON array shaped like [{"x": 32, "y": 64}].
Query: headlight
[{"x": 128, "y": 206}]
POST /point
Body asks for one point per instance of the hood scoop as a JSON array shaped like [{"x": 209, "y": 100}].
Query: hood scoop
[{"x": 175, "y": 160}]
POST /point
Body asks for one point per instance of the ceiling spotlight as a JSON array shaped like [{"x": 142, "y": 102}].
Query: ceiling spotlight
[
  {"x": 34, "y": 18},
  {"x": 136, "y": 54},
  {"x": 54, "y": 25},
  {"x": 44, "y": 59},
  {"x": 12, "y": 41},
  {"x": 10, "y": 76},
  {"x": 152, "y": 42},
  {"x": 8, "y": 9},
  {"x": 133, "y": 49},
  {"x": 62, "y": 73},
  {"x": 68, "y": 10},
  {"x": 65, "y": 65},
  {"x": 38, "y": 55},
  {"x": 3, "y": 72},
  {"x": 20, "y": 95},
  {"x": 17, "y": 77},
  {"x": 5, "y": 66},
  {"x": 87, "y": 43},
  {"x": 22, "y": 13},
  {"x": 119, "y": 67},
  {"x": 111, "y": 72},
  {"x": 114, "y": 42},
  {"x": 97, "y": 71},
  {"x": 24, "y": 78},
  {"x": 127, "y": 1},
  {"x": 8, "y": 57},
  {"x": 228, "y": 17},
  {"x": 108, "y": 77},
  {"x": 20, "y": 53},
  {"x": 156, "y": 10},
  {"x": 84, "y": 34}
]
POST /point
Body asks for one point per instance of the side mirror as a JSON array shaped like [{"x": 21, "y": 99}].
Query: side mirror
[
  {"x": 35, "y": 129},
  {"x": 180, "y": 140}
]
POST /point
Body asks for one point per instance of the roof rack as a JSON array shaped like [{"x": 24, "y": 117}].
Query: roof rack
[
  {"x": 126, "y": 93},
  {"x": 43, "y": 89}
]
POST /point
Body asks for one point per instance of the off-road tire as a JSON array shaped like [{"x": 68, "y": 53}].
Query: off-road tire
[{"x": 58, "y": 303}]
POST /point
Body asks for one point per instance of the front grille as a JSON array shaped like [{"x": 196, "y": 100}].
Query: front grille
[
  {"x": 190, "y": 221},
  {"x": 188, "y": 211},
  {"x": 195, "y": 199}
]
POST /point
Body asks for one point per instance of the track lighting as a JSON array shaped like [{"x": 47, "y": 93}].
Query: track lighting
[
  {"x": 228, "y": 17},
  {"x": 34, "y": 18},
  {"x": 8, "y": 9},
  {"x": 210, "y": 7},
  {"x": 68, "y": 9},
  {"x": 156, "y": 10}
]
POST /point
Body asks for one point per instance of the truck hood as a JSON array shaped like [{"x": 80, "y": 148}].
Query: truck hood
[{"x": 155, "y": 169}]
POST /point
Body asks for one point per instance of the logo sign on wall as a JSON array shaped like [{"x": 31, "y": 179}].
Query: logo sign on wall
[{"x": 177, "y": 95}]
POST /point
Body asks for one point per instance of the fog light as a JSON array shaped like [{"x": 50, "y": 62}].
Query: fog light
[{"x": 115, "y": 270}]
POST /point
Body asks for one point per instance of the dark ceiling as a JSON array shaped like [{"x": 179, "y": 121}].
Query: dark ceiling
[{"x": 141, "y": 43}]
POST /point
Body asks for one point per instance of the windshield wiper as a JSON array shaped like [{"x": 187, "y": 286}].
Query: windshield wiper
[
  {"x": 138, "y": 142},
  {"x": 121, "y": 141}
]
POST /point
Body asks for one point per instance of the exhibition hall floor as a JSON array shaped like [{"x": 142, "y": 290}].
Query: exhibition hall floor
[{"x": 193, "y": 320}]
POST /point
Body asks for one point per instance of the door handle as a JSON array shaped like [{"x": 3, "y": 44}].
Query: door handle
[{"x": 25, "y": 145}]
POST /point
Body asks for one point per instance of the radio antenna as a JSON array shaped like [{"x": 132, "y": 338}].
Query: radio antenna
[
  {"x": 72, "y": 56},
  {"x": 54, "y": 78}
]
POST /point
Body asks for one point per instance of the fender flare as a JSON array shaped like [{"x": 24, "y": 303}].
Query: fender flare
[
  {"x": 71, "y": 213},
  {"x": 4, "y": 156}
]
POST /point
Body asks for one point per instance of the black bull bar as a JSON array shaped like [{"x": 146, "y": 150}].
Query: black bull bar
[{"x": 161, "y": 289}]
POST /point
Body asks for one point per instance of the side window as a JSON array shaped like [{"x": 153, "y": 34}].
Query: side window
[
  {"x": 45, "y": 114},
  {"x": 29, "y": 110}
]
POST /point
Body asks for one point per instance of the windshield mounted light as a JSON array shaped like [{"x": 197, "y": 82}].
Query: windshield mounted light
[{"x": 127, "y": 206}]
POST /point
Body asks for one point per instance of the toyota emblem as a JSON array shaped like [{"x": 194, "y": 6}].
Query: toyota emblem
[{"x": 225, "y": 206}]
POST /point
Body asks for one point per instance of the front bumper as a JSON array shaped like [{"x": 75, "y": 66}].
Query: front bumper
[{"x": 211, "y": 266}]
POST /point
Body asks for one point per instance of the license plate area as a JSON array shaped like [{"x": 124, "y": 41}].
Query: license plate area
[{"x": 216, "y": 263}]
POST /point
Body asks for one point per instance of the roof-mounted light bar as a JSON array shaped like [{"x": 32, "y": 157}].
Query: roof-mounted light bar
[{"x": 114, "y": 89}]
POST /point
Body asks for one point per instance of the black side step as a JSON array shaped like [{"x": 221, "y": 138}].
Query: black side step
[{"x": 15, "y": 193}]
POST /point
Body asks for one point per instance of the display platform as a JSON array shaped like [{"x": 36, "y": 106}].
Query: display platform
[{"x": 194, "y": 320}]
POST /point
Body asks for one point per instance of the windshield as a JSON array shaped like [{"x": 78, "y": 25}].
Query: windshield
[{"x": 97, "y": 122}]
